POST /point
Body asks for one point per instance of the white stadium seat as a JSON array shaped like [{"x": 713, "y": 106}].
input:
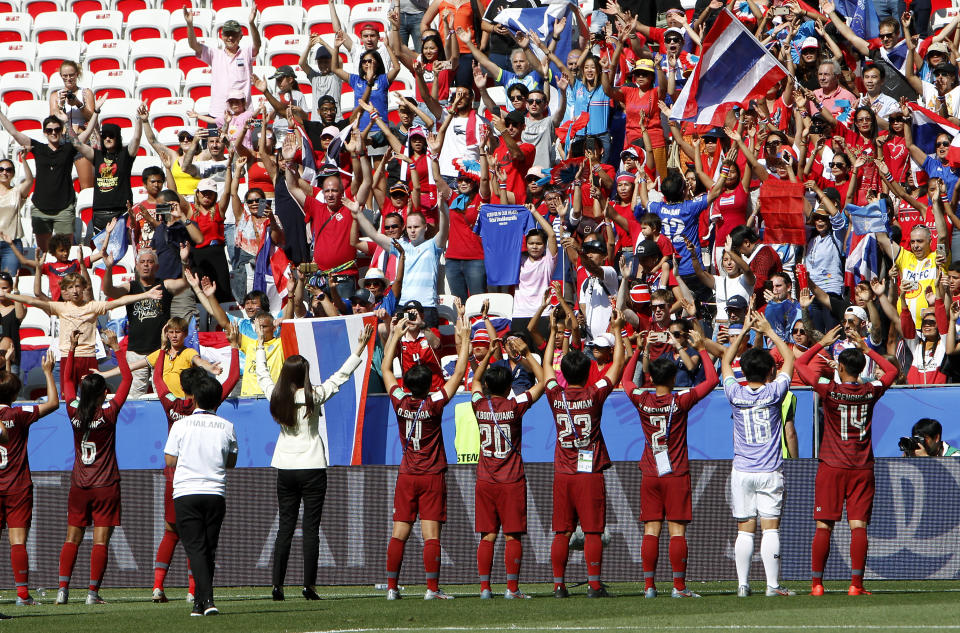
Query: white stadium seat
[
  {"x": 106, "y": 55},
  {"x": 202, "y": 22},
  {"x": 501, "y": 304},
  {"x": 147, "y": 24},
  {"x": 28, "y": 115},
  {"x": 100, "y": 25},
  {"x": 17, "y": 56},
  {"x": 115, "y": 83},
  {"x": 170, "y": 112},
  {"x": 197, "y": 83},
  {"x": 15, "y": 27},
  {"x": 285, "y": 50},
  {"x": 51, "y": 54},
  {"x": 150, "y": 54},
  {"x": 184, "y": 57},
  {"x": 123, "y": 112},
  {"x": 54, "y": 25},
  {"x": 157, "y": 83},
  {"x": 21, "y": 86},
  {"x": 369, "y": 12},
  {"x": 318, "y": 19},
  {"x": 282, "y": 20}
]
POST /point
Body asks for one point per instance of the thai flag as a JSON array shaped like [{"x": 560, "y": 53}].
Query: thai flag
[
  {"x": 326, "y": 343},
  {"x": 734, "y": 68},
  {"x": 117, "y": 241},
  {"x": 861, "y": 17},
  {"x": 871, "y": 218},
  {"x": 540, "y": 20},
  {"x": 305, "y": 154},
  {"x": 897, "y": 56},
  {"x": 270, "y": 273},
  {"x": 863, "y": 262},
  {"x": 927, "y": 125}
]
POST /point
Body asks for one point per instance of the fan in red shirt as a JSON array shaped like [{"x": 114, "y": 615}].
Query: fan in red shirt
[
  {"x": 501, "y": 487},
  {"x": 665, "y": 491},
  {"x": 421, "y": 488},
  {"x": 176, "y": 408},
  {"x": 419, "y": 345},
  {"x": 763, "y": 260},
  {"x": 580, "y": 457},
  {"x": 95, "y": 482},
  {"x": 16, "y": 498},
  {"x": 513, "y": 155},
  {"x": 845, "y": 473}
]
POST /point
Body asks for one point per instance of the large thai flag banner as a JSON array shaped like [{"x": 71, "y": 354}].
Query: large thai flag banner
[
  {"x": 540, "y": 20},
  {"x": 326, "y": 343},
  {"x": 734, "y": 68},
  {"x": 927, "y": 126}
]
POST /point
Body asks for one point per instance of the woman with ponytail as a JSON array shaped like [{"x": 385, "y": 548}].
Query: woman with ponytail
[
  {"x": 301, "y": 454},
  {"x": 95, "y": 482}
]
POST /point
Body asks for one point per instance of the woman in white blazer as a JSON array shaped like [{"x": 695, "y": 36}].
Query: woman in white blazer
[{"x": 301, "y": 455}]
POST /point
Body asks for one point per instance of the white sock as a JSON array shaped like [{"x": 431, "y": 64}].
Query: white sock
[
  {"x": 770, "y": 553},
  {"x": 743, "y": 552}
]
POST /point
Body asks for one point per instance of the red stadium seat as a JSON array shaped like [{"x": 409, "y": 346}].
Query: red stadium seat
[
  {"x": 15, "y": 27},
  {"x": 51, "y": 54},
  {"x": 119, "y": 111},
  {"x": 126, "y": 7},
  {"x": 197, "y": 83},
  {"x": 285, "y": 50},
  {"x": 202, "y": 24},
  {"x": 174, "y": 5},
  {"x": 318, "y": 18},
  {"x": 54, "y": 26},
  {"x": 158, "y": 83},
  {"x": 80, "y": 7},
  {"x": 146, "y": 24},
  {"x": 22, "y": 86},
  {"x": 106, "y": 55},
  {"x": 17, "y": 56},
  {"x": 184, "y": 57},
  {"x": 100, "y": 25},
  {"x": 281, "y": 20},
  {"x": 28, "y": 115},
  {"x": 116, "y": 84},
  {"x": 170, "y": 112},
  {"x": 36, "y": 7},
  {"x": 154, "y": 53}
]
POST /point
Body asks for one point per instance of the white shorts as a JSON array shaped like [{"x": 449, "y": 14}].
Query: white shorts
[{"x": 756, "y": 493}]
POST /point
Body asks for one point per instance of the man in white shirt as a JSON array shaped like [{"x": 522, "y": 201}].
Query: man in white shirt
[{"x": 201, "y": 447}]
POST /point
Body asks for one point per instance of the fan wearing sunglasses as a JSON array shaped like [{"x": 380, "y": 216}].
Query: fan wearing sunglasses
[
  {"x": 12, "y": 197},
  {"x": 539, "y": 128}
]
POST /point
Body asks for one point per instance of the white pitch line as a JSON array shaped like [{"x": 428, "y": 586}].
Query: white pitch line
[{"x": 713, "y": 627}]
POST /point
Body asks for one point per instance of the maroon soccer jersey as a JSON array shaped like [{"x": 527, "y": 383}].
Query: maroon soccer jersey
[
  {"x": 500, "y": 422},
  {"x": 94, "y": 450},
  {"x": 847, "y": 417},
  {"x": 14, "y": 465},
  {"x": 177, "y": 408},
  {"x": 662, "y": 428},
  {"x": 420, "y": 434},
  {"x": 577, "y": 412}
]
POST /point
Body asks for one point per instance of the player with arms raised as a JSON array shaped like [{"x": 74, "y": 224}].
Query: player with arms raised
[
  {"x": 579, "y": 459},
  {"x": 501, "y": 487},
  {"x": 95, "y": 483},
  {"x": 845, "y": 474},
  {"x": 756, "y": 480},
  {"x": 421, "y": 484},
  {"x": 177, "y": 408},
  {"x": 665, "y": 491},
  {"x": 16, "y": 498}
]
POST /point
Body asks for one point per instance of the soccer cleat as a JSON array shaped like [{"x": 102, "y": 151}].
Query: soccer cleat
[
  {"x": 744, "y": 591},
  {"x": 197, "y": 610},
  {"x": 437, "y": 595},
  {"x": 26, "y": 602},
  {"x": 816, "y": 590},
  {"x": 393, "y": 594},
  {"x": 779, "y": 590},
  {"x": 190, "y": 597},
  {"x": 486, "y": 594},
  {"x": 857, "y": 591},
  {"x": 513, "y": 595},
  {"x": 561, "y": 592},
  {"x": 94, "y": 598},
  {"x": 159, "y": 597},
  {"x": 309, "y": 593},
  {"x": 598, "y": 593},
  {"x": 277, "y": 594},
  {"x": 651, "y": 592},
  {"x": 683, "y": 593},
  {"x": 211, "y": 609},
  {"x": 63, "y": 594}
]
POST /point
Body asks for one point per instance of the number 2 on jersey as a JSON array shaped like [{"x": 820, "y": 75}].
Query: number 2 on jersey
[
  {"x": 656, "y": 443},
  {"x": 567, "y": 437},
  {"x": 491, "y": 436}
]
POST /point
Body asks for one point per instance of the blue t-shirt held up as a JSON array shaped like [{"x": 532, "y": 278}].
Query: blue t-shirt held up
[
  {"x": 680, "y": 220},
  {"x": 503, "y": 227}
]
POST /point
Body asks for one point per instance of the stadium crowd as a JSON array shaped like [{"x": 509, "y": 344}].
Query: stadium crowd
[{"x": 511, "y": 208}]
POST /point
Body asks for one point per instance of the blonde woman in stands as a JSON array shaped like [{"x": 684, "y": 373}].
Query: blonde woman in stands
[{"x": 12, "y": 198}]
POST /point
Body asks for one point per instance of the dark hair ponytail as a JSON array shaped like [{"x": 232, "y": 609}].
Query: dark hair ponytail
[
  {"x": 92, "y": 388},
  {"x": 294, "y": 375}
]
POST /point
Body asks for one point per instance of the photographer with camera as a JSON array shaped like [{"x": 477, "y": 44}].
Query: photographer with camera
[{"x": 925, "y": 441}]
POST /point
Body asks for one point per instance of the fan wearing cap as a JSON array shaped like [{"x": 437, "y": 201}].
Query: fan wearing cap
[
  {"x": 639, "y": 161},
  {"x": 810, "y": 58},
  {"x": 640, "y": 100},
  {"x": 930, "y": 344},
  {"x": 207, "y": 215},
  {"x": 234, "y": 120},
  {"x": 323, "y": 83},
  {"x": 288, "y": 94},
  {"x": 465, "y": 271},
  {"x": 184, "y": 181},
  {"x": 231, "y": 65},
  {"x": 521, "y": 71},
  {"x": 856, "y": 330},
  {"x": 599, "y": 285},
  {"x": 937, "y": 56},
  {"x": 112, "y": 164},
  {"x": 513, "y": 155}
]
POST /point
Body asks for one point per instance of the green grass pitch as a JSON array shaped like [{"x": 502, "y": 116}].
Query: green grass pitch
[{"x": 894, "y": 606}]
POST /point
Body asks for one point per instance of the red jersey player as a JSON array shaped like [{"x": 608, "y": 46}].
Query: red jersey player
[
  {"x": 95, "y": 482},
  {"x": 845, "y": 473},
  {"x": 665, "y": 491},
  {"x": 580, "y": 457},
  {"x": 421, "y": 483},
  {"x": 177, "y": 408},
  {"x": 501, "y": 487},
  {"x": 16, "y": 498}
]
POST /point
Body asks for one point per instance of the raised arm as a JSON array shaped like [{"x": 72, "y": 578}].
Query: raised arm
[
  {"x": 191, "y": 36},
  {"x": 456, "y": 378}
]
